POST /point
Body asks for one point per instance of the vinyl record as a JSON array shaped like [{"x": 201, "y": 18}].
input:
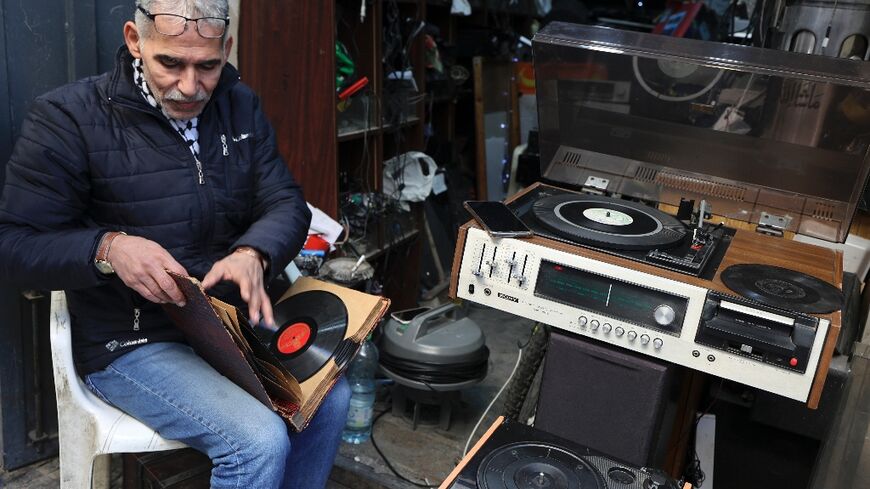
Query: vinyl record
[
  {"x": 528, "y": 465},
  {"x": 609, "y": 223},
  {"x": 310, "y": 326},
  {"x": 783, "y": 288}
]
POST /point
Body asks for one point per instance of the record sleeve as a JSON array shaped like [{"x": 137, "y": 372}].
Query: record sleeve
[{"x": 223, "y": 337}]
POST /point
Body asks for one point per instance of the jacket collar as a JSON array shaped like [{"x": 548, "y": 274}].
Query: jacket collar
[{"x": 122, "y": 89}]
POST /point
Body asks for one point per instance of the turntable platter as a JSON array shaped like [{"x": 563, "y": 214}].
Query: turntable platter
[
  {"x": 608, "y": 223},
  {"x": 528, "y": 465}
]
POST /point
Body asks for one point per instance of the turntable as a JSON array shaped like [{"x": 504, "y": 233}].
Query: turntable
[
  {"x": 515, "y": 456},
  {"x": 734, "y": 297}
]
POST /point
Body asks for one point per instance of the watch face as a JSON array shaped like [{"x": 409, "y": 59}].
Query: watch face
[{"x": 104, "y": 267}]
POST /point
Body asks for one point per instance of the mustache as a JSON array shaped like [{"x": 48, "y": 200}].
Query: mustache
[{"x": 175, "y": 95}]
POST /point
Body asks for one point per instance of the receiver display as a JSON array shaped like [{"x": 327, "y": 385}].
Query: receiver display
[{"x": 610, "y": 297}]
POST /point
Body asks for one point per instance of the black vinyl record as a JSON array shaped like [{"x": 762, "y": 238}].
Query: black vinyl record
[
  {"x": 309, "y": 327},
  {"x": 607, "y": 222},
  {"x": 527, "y": 465},
  {"x": 783, "y": 288}
]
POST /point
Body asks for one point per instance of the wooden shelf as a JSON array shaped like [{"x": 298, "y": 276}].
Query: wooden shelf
[
  {"x": 375, "y": 253},
  {"x": 358, "y": 132}
]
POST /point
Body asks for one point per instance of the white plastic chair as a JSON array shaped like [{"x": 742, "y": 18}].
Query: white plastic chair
[{"x": 89, "y": 428}]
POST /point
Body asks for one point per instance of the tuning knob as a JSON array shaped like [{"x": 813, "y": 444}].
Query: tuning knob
[{"x": 664, "y": 315}]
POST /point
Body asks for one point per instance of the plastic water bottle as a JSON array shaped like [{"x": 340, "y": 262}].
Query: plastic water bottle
[{"x": 361, "y": 377}]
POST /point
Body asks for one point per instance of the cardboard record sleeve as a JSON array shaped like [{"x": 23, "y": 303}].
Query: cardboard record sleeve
[{"x": 223, "y": 337}]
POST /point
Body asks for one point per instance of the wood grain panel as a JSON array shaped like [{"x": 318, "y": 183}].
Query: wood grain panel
[{"x": 287, "y": 55}]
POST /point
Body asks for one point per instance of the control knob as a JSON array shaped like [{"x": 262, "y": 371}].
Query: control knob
[
  {"x": 594, "y": 323},
  {"x": 657, "y": 480},
  {"x": 632, "y": 335},
  {"x": 664, "y": 315},
  {"x": 619, "y": 331},
  {"x": 606, "y": 327},
  {"x": 658, "y": 343},
  {"x": 520, "y": 279},
  {"x": 644, "y": 339}
]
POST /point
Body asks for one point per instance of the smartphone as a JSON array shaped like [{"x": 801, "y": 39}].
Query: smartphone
[{"x": 497, "y": 219}]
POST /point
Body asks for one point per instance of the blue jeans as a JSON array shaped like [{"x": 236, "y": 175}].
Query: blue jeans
[{"x": 176, "y": 393}]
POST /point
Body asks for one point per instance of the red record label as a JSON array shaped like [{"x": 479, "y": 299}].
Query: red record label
[{"x": 293, "y": 338}]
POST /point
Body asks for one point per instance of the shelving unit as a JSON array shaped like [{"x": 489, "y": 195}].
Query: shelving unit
[{"x": 287, "y": 55}]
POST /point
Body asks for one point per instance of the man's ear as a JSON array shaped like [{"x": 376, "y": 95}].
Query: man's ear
[
  {"x": 228, "y": 47},
  {"x": 131, "y": 38}
]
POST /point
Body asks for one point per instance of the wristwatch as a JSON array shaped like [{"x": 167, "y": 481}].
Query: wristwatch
[{"x": 102, "y": 259}]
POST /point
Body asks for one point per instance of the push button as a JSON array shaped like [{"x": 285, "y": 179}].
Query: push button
[{"x": 470, "y": 288}]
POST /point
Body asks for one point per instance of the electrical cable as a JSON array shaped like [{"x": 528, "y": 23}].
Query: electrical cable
[
  {"x": 486, "y": 411},
  {"x": 384, "y": 457},
  {"x": 693, "y": 472}
]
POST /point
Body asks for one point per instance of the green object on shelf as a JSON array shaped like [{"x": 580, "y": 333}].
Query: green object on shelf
[{"x": 344, "y": 66}]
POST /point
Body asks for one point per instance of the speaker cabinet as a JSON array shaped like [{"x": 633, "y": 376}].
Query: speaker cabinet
[{"x": 612, "y": 400}]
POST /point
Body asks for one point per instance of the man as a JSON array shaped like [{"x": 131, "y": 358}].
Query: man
[{"x": 166, "y": 163}]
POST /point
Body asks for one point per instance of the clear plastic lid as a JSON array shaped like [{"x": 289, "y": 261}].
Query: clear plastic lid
[{"x": 763, "y": 135}]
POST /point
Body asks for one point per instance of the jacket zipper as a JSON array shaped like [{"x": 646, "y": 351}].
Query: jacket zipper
[
  {"x": 224, "y": 144},
  {"x": 199, "y": 167},
  {"x": 153, "y": 111},
  {"x": 136, "y": 312},
  {"x": 199, "y": 170}
]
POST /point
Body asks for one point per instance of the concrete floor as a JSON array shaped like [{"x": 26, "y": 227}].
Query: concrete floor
[{"x": 425, "y": 455}]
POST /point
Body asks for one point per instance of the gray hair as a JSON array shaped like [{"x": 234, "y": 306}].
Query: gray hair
[{"x": 187, "y": 8}]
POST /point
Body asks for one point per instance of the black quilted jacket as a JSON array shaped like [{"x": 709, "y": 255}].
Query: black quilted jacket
[{"x": 94, "y": 157}]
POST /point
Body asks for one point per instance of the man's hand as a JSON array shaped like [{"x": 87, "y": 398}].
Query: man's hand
[
  {"x": 142, "y": 265},
  {"x": 246, "y": 271}
]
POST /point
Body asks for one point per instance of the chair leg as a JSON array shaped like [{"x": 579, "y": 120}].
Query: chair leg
[
  {"x": 77, "y": 457},
  {"x": 102, "y": 472},
  {"x": 75, "y": 471}
]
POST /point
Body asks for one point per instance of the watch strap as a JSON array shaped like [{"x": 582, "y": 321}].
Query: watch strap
[{"x": 106, "y": 246}]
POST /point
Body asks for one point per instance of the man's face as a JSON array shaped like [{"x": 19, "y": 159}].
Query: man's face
[{"x": 182, "y": 71}]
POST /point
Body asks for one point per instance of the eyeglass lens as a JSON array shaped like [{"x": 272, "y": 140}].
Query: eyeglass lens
[{"x": 174, "y": 25}]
